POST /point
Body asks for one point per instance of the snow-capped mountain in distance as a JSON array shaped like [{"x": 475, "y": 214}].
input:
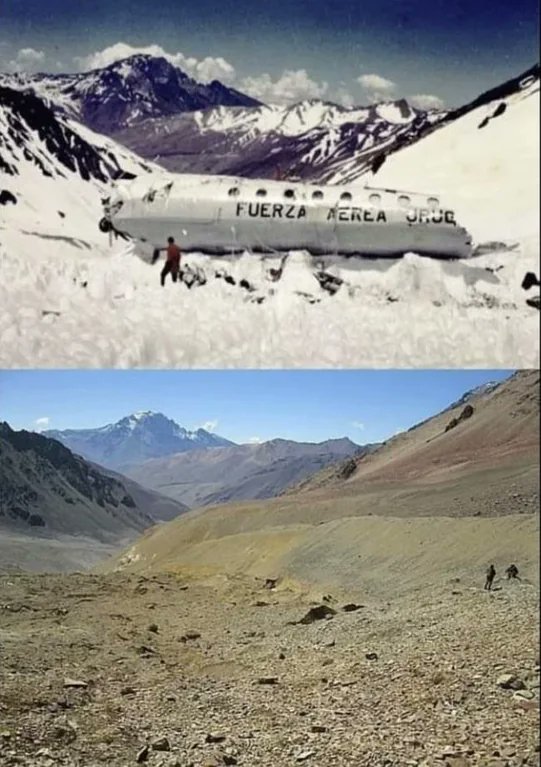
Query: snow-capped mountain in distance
[
  {"x": 127, "y": 91},
  {"x": 475, "y": 393},
  {"x": 311, "y": 140},
  {"x": 135, "y": 439},
  {"x": 160, "y": 113},
  {"x": 307, "y": 140}
]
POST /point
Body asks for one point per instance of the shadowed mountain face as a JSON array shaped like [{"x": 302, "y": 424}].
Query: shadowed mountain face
[
  {"x": 135, "y": 439},
  {"x": 129, "y": 91},
  {"x": 45, "y": 488},
  {"x": 241, "y": 472},
  {"x": 32, "y": 131}
]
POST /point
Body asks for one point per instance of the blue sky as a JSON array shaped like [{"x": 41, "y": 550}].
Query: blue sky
[
  {"x": 305, "y": 405},
  {"x": 449, "y": 49}
]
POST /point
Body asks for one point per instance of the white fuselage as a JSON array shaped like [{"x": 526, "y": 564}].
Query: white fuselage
[{"x": 220, "y": 215}]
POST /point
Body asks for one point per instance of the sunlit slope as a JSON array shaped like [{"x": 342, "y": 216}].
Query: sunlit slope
[
  {"x": 485, "y": 164},
  {"x": 501, "y": 433},
  {"x": 413, "y": 513}
]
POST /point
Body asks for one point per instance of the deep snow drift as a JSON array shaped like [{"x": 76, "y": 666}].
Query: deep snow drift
[
  {"x": 68, "y": 299},
  {"x": 65, "y": 307}
]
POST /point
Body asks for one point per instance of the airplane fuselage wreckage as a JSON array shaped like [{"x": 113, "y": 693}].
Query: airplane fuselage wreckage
[{"x": 222, "y": 215}]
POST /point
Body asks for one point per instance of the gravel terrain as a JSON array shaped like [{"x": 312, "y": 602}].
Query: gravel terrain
[{"x": 120, "y": 669}]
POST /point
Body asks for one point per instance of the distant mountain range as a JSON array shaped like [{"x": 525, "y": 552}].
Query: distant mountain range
[
  {"x": 56, "y": 163},
  {"x": 127, "y": 92},
  {"x": 46, "y": 489},
  {"x": 310, "y": 140},
  {"x": 135, "y": 439},
  {"x": 198, "y": 467},
  {"x": 241, "y": 472}
]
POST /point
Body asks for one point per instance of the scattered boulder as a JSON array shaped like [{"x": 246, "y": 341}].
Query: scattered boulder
[
  {"x": 523, "y": 695},
  {"x": 318, "y": 613},
  {"x": 190, "y": 636},
  {"x": 161, "y": 744},
  {"x": 75, "y": 684},
  {"x": 352, "y": 607},
  {"x": 6, "y": 196},
  {"x": 510, "y": 682},
  {"x": 466, "y": 413},
  {"x": 347, "y": 468},
  {"x": 145, "y": 650},
  {"x": 270, "y": 583},
  {"x": 215, "y": 737},
  {"x": 371, "y": 656},
  {"x": 530, "y": 280},
  {"x": 153, "y": 628},
  {"x": 142, "y": 754},
  {"x": 269, "y": 680}
]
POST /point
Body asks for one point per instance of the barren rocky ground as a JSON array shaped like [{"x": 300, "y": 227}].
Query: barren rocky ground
[{"x": 120, "y": 669}]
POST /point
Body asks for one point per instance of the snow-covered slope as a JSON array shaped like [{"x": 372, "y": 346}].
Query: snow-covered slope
[
  {"x": 485, "y": 163},
  {"x": 126, "y": 92},
  {"x": 54, "y": 173},
  {"x": 69, "y": 299}
]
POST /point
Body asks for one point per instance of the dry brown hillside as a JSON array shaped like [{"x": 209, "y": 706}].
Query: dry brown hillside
[
  {"x": 429, "y": 505},
  {"x": 503, "y": 430}
]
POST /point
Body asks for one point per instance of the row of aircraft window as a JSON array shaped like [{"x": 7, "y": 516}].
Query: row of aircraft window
[{"x": 374, "y": 199}]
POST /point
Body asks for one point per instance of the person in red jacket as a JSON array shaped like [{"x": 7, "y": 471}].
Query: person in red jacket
[{"x": 172, "y": 260}]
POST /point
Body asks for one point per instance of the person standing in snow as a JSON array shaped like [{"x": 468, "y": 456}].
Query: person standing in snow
[{"x": 172, "y": 260}]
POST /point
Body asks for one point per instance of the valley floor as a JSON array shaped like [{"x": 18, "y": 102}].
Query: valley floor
[
  {"x": 72, "y": 303},
  {"x": 218, "y": 671}
]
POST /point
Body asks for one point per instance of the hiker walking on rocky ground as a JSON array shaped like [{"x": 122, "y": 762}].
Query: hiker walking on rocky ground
[
  {"x": 512, "y": 572},
  {"x": 491, "y": 574}
]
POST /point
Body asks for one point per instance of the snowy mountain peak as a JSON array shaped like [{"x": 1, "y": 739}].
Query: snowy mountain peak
[
  {"x": 135, "y": 439},
  {"x": 127, "y": 92}
]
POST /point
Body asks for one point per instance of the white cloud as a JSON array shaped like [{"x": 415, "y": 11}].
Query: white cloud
[
  {"x": 41, "y": 423},
  {"x": 203, "y": 70},
  {"x": 290, "y": 87},
  {"x": 376, "y": 87},
  {"x": 426, "y": 101},
  {"x": 209, "y": 425},
  {"x": 255, "y": 441},
  {"x": 358, "y": 425},
  {"x": 343, "y": 97},
  {"x": 26, "y": 60},
  {"x": 215, "y": 68}
]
